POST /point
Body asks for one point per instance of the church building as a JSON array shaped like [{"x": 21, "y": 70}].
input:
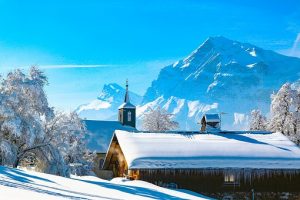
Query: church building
[{"x": 101, "y": 132}]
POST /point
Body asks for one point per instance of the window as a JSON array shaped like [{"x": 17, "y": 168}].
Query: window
[
  {"x": 101, "y": 161},
  {"x": 230, "y": 179},
  {"x": 129, "y": 116}
]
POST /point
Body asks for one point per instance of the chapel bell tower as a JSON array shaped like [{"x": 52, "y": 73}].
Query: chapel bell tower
[{"x": 127, "y": 111}]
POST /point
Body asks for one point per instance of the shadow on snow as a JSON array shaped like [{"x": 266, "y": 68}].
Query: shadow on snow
[
  {"x": 19, "y": 179},
  {"x": 140, "y": 191}
]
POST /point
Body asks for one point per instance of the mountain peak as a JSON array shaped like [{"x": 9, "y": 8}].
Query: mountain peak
[
  {"x": 112, "y": 86},
  {"x": 222, "y": 43},
  {"x": 218, "y": 39},
  {"x": 218, "y": 65},
  {"x": 111, "y": 90},
  {"x": 219, "y": 50},
  {"x": 106, "y": 105}
]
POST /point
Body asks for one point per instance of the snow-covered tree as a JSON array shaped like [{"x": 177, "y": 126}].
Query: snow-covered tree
[
  {"x": 158, "y": 120},
  {"x": 67, "y": 132},
  {"x": 258, "y": 121},
  {"x": 280, "y": 109},
  {"x": 31, "y": 131},
  {"x": 295, "y": 116},
  {"x": 285, "y": 109},
  {"x": 23, "y": 107}
]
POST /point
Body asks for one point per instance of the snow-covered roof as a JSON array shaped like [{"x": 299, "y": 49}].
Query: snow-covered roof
[
  {"x": 101, "y": 132},
  {"x": 126, "y": 105},
  {"x": 214, "y": 150},
  {"x": 212, "y": 117}
]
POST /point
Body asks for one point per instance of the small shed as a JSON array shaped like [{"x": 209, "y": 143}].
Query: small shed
[{"x": 210, "y": 122}]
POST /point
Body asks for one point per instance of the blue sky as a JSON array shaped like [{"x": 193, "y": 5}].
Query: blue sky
[{"x": 130, "y": 39}]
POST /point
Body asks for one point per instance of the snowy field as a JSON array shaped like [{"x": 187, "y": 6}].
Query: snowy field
[{"x": 18, "y": 184}]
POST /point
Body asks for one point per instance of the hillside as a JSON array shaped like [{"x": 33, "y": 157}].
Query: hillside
[{"x": 27, "y": 185}]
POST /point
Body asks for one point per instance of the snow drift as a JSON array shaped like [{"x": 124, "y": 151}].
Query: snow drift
[{"x": 18, "y": 184}]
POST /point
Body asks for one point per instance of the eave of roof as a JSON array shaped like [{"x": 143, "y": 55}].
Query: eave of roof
[{"x": 127, "y": 105}]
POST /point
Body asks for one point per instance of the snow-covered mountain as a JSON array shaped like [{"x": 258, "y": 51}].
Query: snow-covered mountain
[
  {"x": 221, "y": 75},
  {"x": 222, "y": 68},
  {"x": 105, "y": 107}
]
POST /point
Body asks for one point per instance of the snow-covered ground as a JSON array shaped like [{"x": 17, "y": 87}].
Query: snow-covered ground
[{"x": 20, "y": 184}]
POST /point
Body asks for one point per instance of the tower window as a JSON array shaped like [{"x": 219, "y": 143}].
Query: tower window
[{"x": 129, "y": 116}]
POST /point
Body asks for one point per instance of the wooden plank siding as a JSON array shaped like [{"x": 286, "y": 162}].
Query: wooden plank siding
[
  {"x": 115, "y": 160},
  {"x": 214, "y": 184}
]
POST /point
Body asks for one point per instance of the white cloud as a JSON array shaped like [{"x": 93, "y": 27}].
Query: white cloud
[
  {"x": 73, "y": 66},
  {"x": 296, "y": 46},
  {"x": 142, "y": 64},
  {"x": 294, "y": 50}
]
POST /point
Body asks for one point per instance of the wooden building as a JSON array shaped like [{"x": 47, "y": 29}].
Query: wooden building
[
  {"x": 211, "y": 122},
  {"x": 219, "y": 164}
]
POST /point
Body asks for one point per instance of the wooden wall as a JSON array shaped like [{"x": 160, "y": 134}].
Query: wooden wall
[
  {"x": 115, "y": 160},
  {"x": 213, "y": 181}
]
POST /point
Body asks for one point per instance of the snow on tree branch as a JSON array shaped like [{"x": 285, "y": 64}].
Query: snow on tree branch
[
  {"x": 258, "y": 121},
  {"x": 284, "y": 111},
  {"x": 158, "y": 120},
  {"x": 29, "y": 127}
]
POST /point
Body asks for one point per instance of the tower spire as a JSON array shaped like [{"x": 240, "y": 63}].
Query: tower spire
[
  {"x": 126, "y": 100},
  {"x": 127, "y": 114}
]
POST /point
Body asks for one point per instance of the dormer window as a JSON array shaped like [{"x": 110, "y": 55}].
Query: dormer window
[{"x": 129, "y": 116}]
